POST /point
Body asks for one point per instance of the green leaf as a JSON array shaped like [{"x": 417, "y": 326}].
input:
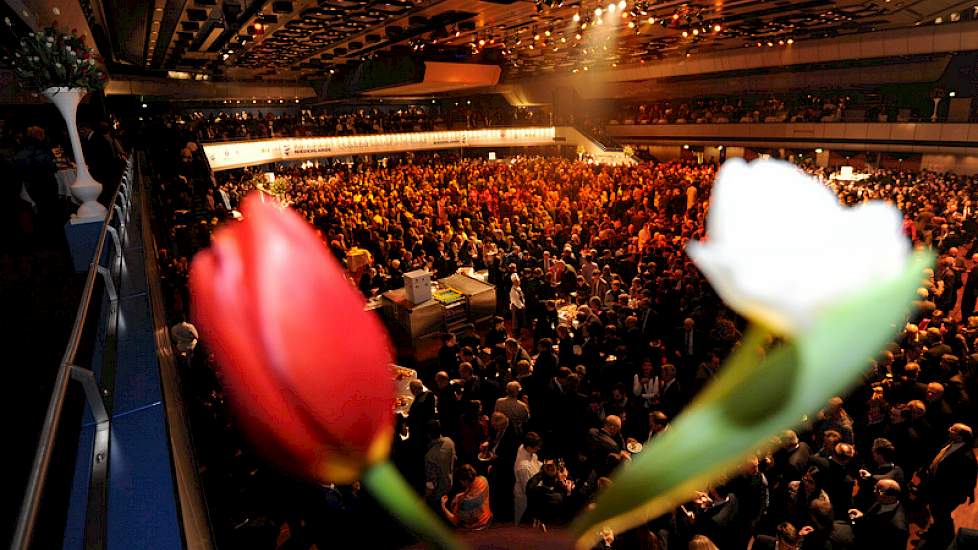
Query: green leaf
[
  {"x": 751, "y": 401},
  {"x": 387, "y": 485}
]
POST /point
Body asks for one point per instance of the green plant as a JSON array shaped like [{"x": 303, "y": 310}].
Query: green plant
[{"x": 50, "y": 58}]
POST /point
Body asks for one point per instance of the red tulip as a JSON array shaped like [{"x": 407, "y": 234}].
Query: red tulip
[{"x": 306, "y": 369}]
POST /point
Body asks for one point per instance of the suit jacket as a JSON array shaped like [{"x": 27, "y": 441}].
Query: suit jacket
[
  {"x": 422, "y": 411},
  {"x": 953, "y": 481},
  {"x": 671, "y": 399},
  {"x": 101, "y": 159},
  {"x": 883, "y": 526},
  {"x": 600, "y": 444}
]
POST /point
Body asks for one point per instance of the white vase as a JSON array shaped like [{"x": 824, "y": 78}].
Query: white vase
[{"x": 85, "y": 189}]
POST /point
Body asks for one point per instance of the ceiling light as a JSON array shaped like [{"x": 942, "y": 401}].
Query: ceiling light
[
  {"x": 651, "y": 20},
  {"x": 818, "y": 150},
  {"x": 612, "y": 7},
  {"x": 547, "y": 32},
  {"x": 685, "y": 34},
  {"x": 622, "y": 4},
  {"x": 686, "y": 146},
  {"x": 598, "y": 12},
  {"x": 952, "y": 94},
  {"x": 791, "y": 41},
  {"x": 577, "y": 17},
  {"x": 696, "y": 32},
  {"x": 536, "y": 37},
  {"x": 631, "y": 24},
  {"x": 716, "y": 28}
]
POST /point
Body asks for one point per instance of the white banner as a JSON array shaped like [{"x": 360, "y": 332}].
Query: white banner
[{"x": 236, "y": 154}]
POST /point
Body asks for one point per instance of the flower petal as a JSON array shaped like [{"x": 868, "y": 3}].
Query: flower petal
[
  {"x": 272, "y": 422},
  {"x": 782, "y": 248},
  {"x": 332, "y": 355}
]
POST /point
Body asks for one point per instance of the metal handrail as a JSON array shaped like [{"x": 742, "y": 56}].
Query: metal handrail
[
  {"x": 197, "y": 533},
  {"x": 42, "y": 456}
]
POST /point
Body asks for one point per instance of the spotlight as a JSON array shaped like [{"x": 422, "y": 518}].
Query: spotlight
[
  {"x": 686, "y": 146},
  {"x": 598, "y": 12},
  {"x": 622, "y": 4},
  {"x": 716, "y": 28},
  {"x": 791, "y": 41},
  {"x": 696, "y": 32},
  {"x": 651, "y": 20},
  {"x": 546, "y": 32},
  {"x": 685, "y": 34},
  {"x": 631, "y": 24},
  {"x": 577, "y": 17}
]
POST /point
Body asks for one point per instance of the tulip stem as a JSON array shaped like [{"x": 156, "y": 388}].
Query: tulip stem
[{"x": 387, "y": 485}]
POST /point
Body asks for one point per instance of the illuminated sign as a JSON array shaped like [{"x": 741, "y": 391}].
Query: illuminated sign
[{"x": 236, "y": 154}]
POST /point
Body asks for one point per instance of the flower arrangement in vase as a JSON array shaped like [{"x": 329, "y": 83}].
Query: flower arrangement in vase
[{"x": 62, "y": 68}]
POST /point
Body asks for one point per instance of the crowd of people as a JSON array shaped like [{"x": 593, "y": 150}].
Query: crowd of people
[
  {"x": 786, "y": 108},
  {"x": 721, "y": 110},
  {"x": 241, "y": 123},
  {"x": 604, "y": 331},
  {"x": 35, "y": 204}
]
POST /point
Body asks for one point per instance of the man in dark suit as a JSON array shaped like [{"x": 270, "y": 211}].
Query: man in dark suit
[
  {"x": 101, "y": 159},
  {"x": 605, "y": 441},
  {"x": 884, "y": 524},
  {"x": 949, "y": 481},
  {"x": 421, "y": 412},
  {"x": 790, "y": 461},
  {"x": 670, "y": 392}
]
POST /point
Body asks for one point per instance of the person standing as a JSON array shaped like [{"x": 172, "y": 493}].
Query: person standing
[
  {"x": 949, "y": 482},
  {"x": 527, "y": 465},
  {"x": 36, "y": 168},
  {"x": 517, "y": 306},
  {"x": 439, "y": 464},
  {"x": 470, "y": 509}
]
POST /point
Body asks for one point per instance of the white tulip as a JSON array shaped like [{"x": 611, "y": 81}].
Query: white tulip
[{"x": 782, "y": 249}]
